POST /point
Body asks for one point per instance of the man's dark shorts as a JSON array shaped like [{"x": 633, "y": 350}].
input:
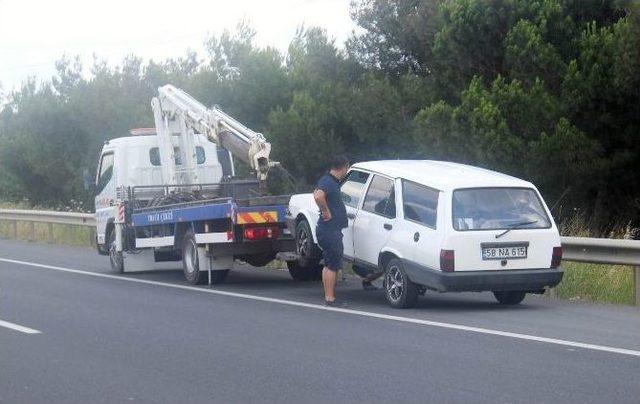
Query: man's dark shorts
[{"x": 330, "y": 240}]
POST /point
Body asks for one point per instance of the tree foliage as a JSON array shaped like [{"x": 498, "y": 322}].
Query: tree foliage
[{"x": 548, "y": 90}]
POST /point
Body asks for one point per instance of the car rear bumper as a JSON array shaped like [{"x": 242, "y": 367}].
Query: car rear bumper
[{"x": 530, "y": 280}]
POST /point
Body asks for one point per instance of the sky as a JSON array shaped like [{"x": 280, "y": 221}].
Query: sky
[{"x": 34, "y": 34}]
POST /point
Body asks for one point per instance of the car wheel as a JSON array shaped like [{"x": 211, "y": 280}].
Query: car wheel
[
  {"x": 191, "y": 264},
  {"x": 510, "y": 297},
  {"x": 399, "y": 291},
  {"x": 116, "y": 258},
  {"x": 307, "y": 267}
]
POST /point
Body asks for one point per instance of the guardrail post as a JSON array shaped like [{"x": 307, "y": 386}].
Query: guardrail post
[
  {"x": 32, "y": 231},
  {"x": 14, "y": 229},
  {"x": 50, "y": 232},
  {"x": 636, "y": 281}
]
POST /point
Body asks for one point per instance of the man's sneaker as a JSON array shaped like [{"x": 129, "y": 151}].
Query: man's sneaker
[
  {"x": 335, "y": 303},
  {"x": 368, "y": 286}
]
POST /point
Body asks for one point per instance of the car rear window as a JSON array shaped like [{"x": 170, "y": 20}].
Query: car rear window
[{"x": 498, "y": 209}]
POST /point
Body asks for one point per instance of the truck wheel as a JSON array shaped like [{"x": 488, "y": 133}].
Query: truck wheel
[
  {"x": 307, "y": 267},
  {"x": 191, "y": 264},
  {"x": 510, "y": 297},
  {"x": 116, "y": 258},
  {"x": 400, "y": 292}
]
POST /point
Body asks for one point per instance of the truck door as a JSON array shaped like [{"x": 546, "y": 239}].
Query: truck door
[
  {"x": 375, "y": 220},
  {"x": 105, "y": 193},
  {"x": 352, "y": 190}
]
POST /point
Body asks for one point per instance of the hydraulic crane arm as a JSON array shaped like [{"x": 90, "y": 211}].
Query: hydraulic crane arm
[{"x": 176, "y": 112}]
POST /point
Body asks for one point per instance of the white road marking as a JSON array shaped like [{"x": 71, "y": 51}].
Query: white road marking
[
  {"x": 17, "y": 327},
  {"x": 451, "y": 326}
]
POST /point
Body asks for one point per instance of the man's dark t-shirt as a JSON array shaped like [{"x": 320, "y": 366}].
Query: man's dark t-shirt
[{"x": 331, "y": 187}]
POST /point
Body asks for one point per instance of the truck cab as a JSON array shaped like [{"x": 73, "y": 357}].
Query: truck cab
[{"x": 134, "y": 161}]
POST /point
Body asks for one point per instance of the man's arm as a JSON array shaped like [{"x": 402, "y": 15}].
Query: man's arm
[{"x": 321, "y": 200}]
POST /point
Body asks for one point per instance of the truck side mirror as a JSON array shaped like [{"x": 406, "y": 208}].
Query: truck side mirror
[{"x": 87, "y": 181}]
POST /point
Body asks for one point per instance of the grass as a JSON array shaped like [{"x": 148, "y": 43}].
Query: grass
[
  {"x": 597, "y": 282},
  {"x": 55, "y": 233}
]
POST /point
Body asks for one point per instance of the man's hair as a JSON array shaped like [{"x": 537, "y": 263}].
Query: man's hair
[{"x": 339, "y": 161}]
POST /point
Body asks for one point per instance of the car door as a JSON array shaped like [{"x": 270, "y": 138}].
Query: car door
[
  {"x": 352, "y": 190},
  {"x": 375, "y": 220},
  {"x": 416, "y": 235}
]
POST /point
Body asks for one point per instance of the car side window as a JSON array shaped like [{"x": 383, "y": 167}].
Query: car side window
[
  {"x": 380, "y": 197},
  {"x": 420, "y": 203},
  {"x": 106, "y": 171},
  {"x": 352, "y": 187}
]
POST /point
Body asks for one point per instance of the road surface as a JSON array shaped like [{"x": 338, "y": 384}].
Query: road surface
[{"x": 73, "y": 331}]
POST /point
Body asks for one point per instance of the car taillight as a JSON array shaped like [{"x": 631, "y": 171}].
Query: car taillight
[
  {"x": 447, "y": 260},
  {"x": 556, "y": 257},
  {"x": 261, "y": 233}
]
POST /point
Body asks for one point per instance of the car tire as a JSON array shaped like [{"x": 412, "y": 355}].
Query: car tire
[
  {"x": 191, "y": 264},
  {"x": 307, "y": 267},
  {"x": 116, "y": 258},
  {"x": 399, "y": 291},
  {"x": 510, "y": 297}
]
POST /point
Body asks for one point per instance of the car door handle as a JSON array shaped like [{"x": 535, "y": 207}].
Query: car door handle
[
  {"x": 387, "y": 226},
  {"x": 351, "y": 215}
]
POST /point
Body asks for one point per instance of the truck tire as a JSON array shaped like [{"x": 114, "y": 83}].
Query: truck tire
[
  {"x": 510, "y": 297},
  {"x": 307, "y": 267},
  {"x": 399, "y": 291},
  {"x": 191, "y": 264},
  {"x": 115, "y": 258}
]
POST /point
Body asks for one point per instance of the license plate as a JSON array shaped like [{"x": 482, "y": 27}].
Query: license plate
[{"x": 504, "y": 253}]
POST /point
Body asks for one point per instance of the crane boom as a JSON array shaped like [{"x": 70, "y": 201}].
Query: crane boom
[{"x": 176, "y": 112}]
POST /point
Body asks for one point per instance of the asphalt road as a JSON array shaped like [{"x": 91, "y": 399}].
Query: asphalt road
[{"x": 148, "y": 337}]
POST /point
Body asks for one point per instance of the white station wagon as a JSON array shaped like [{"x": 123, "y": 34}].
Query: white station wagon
[{"x": 432, "y": 225}]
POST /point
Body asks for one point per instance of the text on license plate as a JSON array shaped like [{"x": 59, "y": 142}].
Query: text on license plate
[{"x": 500, "y": 253}]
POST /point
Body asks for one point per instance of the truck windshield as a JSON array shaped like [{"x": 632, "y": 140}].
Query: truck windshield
[{"x": 498, "y": 209}]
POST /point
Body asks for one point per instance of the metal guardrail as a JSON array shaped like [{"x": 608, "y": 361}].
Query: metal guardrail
[
  {"x": 578, "y": 249},
  {"x": 45, "y": 216},
  {"x": 601, "y": 250},
  {"x": 49, "y": 218}
]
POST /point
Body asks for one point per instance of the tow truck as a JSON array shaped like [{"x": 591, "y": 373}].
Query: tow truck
[{"x": 172, "y": 192}]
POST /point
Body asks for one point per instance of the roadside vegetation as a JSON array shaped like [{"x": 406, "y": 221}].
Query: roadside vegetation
[{"x": 596, "y": 282}]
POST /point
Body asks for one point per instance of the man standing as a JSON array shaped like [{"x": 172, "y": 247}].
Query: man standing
[{"x": 333, "y": 218}]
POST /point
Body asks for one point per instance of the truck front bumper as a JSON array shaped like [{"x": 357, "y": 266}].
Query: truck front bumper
[{"x": 530, "y": 280}]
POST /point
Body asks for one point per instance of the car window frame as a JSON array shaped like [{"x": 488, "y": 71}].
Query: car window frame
[
  {"x": 395, "y": 195},
  {"x": 535, "y": 192},
  {"x": 365, "y": 187},
  {"x": 439, "y": 192}
]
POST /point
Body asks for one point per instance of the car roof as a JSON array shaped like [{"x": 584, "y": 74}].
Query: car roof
[{"x": 442, "y": 175}]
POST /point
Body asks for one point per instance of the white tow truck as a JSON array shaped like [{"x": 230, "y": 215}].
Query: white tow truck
[{"x": 171, "y": 191}]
